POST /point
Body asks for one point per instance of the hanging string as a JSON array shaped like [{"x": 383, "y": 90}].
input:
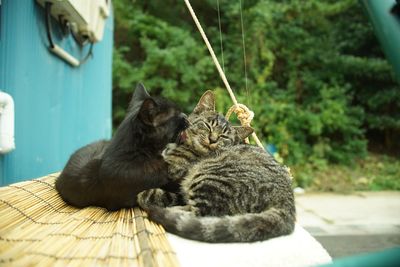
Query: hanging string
[
  {"x": 244, "y": 51},
  {"x": 210, "y": 49},
  {"x": 220, "y": 37},
  {"x": 220, "y": 71}
]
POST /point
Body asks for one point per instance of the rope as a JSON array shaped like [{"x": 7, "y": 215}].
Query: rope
[{"x": 242, "y": 113}]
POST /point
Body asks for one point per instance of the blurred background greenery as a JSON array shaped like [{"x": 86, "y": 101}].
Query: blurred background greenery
[{"x": 323, "y": 93}]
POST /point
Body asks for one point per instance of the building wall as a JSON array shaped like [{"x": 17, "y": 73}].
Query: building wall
[{"x": 58, "y": 108}]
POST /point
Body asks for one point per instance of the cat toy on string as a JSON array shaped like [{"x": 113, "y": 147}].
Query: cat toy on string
[{"x": 243, "y": 113}]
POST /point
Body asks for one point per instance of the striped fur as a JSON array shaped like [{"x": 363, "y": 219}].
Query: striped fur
[{"x": 230, "y": 192}]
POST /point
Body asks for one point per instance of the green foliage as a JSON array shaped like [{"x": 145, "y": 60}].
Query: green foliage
[
  {"x": 166, "y": 58},
  {"x": 375, "y": 172},
  {"x": 317, "y": 79}
]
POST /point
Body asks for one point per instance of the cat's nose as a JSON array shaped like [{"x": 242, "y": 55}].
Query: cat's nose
[{"x": 213, "y": 138}]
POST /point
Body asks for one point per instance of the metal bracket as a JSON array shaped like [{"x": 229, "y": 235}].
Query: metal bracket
[{"x": 57, "y": 50}]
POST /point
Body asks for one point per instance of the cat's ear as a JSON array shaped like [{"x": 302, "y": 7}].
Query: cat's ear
[
  {"x": 148, "y": 111},
  {"x": 140, "y": 93},
  {"x": 243, "y": 131},
  {"x": 206, "y": 103}
]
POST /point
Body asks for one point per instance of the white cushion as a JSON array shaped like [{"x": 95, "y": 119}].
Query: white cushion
[{"x": 295, "y": 250}]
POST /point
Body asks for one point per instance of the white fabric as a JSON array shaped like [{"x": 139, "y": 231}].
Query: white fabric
[{"x": 296, "y": 250}]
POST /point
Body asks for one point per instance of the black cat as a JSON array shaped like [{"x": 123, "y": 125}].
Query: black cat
[{"x": 110, "y": 174}]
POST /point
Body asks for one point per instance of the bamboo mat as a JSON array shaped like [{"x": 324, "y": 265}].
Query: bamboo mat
[{"x": 38, "y": 229}]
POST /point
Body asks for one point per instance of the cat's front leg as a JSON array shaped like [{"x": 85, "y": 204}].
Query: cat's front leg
[
  {"x": 179, "y": 160},
  {"x": 169, "y": 151},
  {"x": 158, "y": 197}
]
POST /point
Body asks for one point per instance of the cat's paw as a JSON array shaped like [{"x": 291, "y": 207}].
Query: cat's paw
[
  {"x": 143, "y": 198},
  {"x": 168, "y": 150},
  {"x": 156, "y": 197}
]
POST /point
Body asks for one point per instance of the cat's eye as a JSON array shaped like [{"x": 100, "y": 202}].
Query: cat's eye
[
  {"x": 224, "y": 136},
  {"x": 205, "y": 125}
]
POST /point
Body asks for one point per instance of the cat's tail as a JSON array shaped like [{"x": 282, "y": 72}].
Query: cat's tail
[{"x": 248, "y": 227}]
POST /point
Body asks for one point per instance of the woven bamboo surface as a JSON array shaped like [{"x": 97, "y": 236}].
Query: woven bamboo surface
[{"x": 38, "y": 229}]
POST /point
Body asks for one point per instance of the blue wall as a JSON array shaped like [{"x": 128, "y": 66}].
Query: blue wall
[{"x": 58, "y": 108}]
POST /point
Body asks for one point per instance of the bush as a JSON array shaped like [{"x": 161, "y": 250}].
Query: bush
[{"x": 316, "y": 78}]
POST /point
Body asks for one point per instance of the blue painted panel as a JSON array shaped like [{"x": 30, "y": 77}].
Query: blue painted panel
[
  {"x": 387, "y": 29},
  {"x": 58, "y": 108}
]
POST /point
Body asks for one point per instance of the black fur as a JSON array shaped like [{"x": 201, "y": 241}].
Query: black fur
[{"x": 110, "y": 174}]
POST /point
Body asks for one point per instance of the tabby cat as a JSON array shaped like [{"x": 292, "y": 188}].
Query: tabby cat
[
  {"x": 230, "y": 192},
  {"x": 110, "y": 174}
]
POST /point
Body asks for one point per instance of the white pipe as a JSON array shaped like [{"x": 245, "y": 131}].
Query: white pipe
[
  {"x": 64, "y": 55},
  {"x": 6, "y": 123}
]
